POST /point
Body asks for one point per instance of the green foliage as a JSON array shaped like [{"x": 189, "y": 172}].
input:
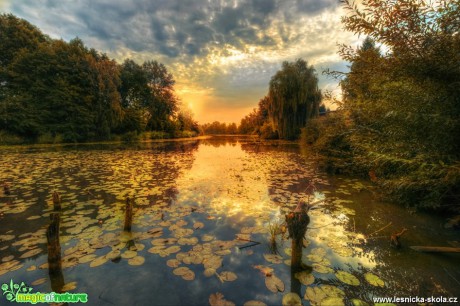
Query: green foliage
[
  {"x": 330, "y": 136},
  {"x": 51, "y": 87},
  {"x": 10, "y": 139},
  {"x": 401, "y": 108},
  {"x": 130, "y": 137}
]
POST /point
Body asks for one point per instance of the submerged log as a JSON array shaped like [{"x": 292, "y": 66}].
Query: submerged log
[{"x": 435, "y": 249}]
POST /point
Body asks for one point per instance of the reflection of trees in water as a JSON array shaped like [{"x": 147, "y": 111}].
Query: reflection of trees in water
[
  {"x": 219, "y": 141},
  {"x": 175, "y": 159}
]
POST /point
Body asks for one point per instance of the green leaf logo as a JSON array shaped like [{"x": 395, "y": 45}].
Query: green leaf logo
[{"x": 11, "y": 290}]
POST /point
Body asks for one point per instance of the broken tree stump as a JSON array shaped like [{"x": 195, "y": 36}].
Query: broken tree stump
[
  {"x": 6, "y": 189},
  {"x": 297, "y": 223},
  {"x": 394, "y": 239},
  {"x": 57, "y": 201},
  {"x": 54, "y": 253},
  {"x": 128, "y": 214}
]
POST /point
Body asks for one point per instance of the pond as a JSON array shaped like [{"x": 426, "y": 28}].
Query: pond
[{"x": 206, "y": 221}]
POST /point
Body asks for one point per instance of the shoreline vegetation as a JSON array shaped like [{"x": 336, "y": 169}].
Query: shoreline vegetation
[{"x": 396, "y": 124}]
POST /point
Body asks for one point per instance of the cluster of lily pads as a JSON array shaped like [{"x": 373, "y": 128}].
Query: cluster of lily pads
[{"x": 172, "y": 191}]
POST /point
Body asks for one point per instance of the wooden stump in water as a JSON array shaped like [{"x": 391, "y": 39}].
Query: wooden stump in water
[
  {"x": 6, "y": 189},
  {"x": 128, "y": 214},
  {"x": 57, "y": 201},
  {"x": 54, "y": 253},
  {"x": 394, "y": 239},
  {"x": 297, "y": 223}
]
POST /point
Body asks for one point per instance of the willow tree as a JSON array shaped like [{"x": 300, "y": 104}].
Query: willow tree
[{"x": 294, "y": 98}]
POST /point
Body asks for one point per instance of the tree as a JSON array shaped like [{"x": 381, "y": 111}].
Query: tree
[
  {"x": 404, "y": 104},
  {"x": 135, "y": 96},
  {"x": 107, "y": 99},
  {"x": 162, "y": 103},
  {"x": 294, "y": 98}
]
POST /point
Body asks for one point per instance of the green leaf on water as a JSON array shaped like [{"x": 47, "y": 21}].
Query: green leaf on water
[
  {"x": 228, "y": 276},
  {"x": 136, "y": 261},
  {"x": 358, "y": 302},
  {"x": 347, "y": 278},
  {"x": 276, "y": 259},
  {"x": 305, "y": 277},
  {"x": 291, "y": 299},
  {"x": 316, "y": 295},
  {"x": 274, "y": 284},
  {"x": 374, "y": 280}
]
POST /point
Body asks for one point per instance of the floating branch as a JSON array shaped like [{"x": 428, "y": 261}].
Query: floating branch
[
  {"x": 249, "y": 245},
  {"x": 435, "y": 249}
]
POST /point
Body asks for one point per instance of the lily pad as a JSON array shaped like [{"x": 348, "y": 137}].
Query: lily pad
[
  {"x": 347, "y": 278},
  {"x": 305, "y": 277},
  {"x": 228, "y": 276},
  {"x": 136, "y": 261},
  {"x": 291, "y": 299},
  {"x": 128, "y": 254},
  {"x": 316, "y": 295},
  {"x": 254, "y": 303},
  {"x": 217, "y": 299},
  {"x": 358, "y": 302},
  {"x": 98, "y": 261},
  {"x": 276, "y": 259},
  {"x": 181, "y": 271},
  {"x": 31, "y": 253},
  {"x": 173, "y": 263},
  {"x": 322, "y": 269},
  {"x": 209, "y": 272},
  {"x": 374, "y": 280},
  {"x": 39, "y": 281},
  {"x": 274, "y": 284}
]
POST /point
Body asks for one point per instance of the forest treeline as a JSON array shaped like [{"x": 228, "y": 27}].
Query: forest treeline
[
  {"x": 398, "y": 122},
  {"x": 55, "y": 91}
]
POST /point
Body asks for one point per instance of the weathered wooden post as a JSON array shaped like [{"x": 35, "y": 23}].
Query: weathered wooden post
[
  {"x": 54, "y": 254},
  {"x": 128, "y": 214},
  {"x": 297, "y": 223},
  {"x": 57, "y": 201},
  {"x": 6, "y": 189}
]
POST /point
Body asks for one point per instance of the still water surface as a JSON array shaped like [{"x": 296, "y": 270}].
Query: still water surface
[{"x": 208, "y": 226}]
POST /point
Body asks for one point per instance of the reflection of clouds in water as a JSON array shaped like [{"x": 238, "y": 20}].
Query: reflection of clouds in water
[
  {"x": 224, "y": 180},
  {"x": 329, "y": 232}
]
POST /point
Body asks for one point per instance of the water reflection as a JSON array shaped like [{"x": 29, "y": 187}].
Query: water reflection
[{"x": 200, "y": 222}]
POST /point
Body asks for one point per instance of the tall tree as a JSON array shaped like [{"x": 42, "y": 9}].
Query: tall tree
[
  {"x": 163, "y": 102},
  {"x": 294, "y": 98},
  {"x": 405, "y": 103}
]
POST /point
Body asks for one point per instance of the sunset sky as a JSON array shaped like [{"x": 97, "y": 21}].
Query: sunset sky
[{"x": 222, "y": 53}]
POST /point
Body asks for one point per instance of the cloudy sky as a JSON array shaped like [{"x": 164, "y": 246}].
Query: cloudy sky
[{"x": 222, "y": 52}]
